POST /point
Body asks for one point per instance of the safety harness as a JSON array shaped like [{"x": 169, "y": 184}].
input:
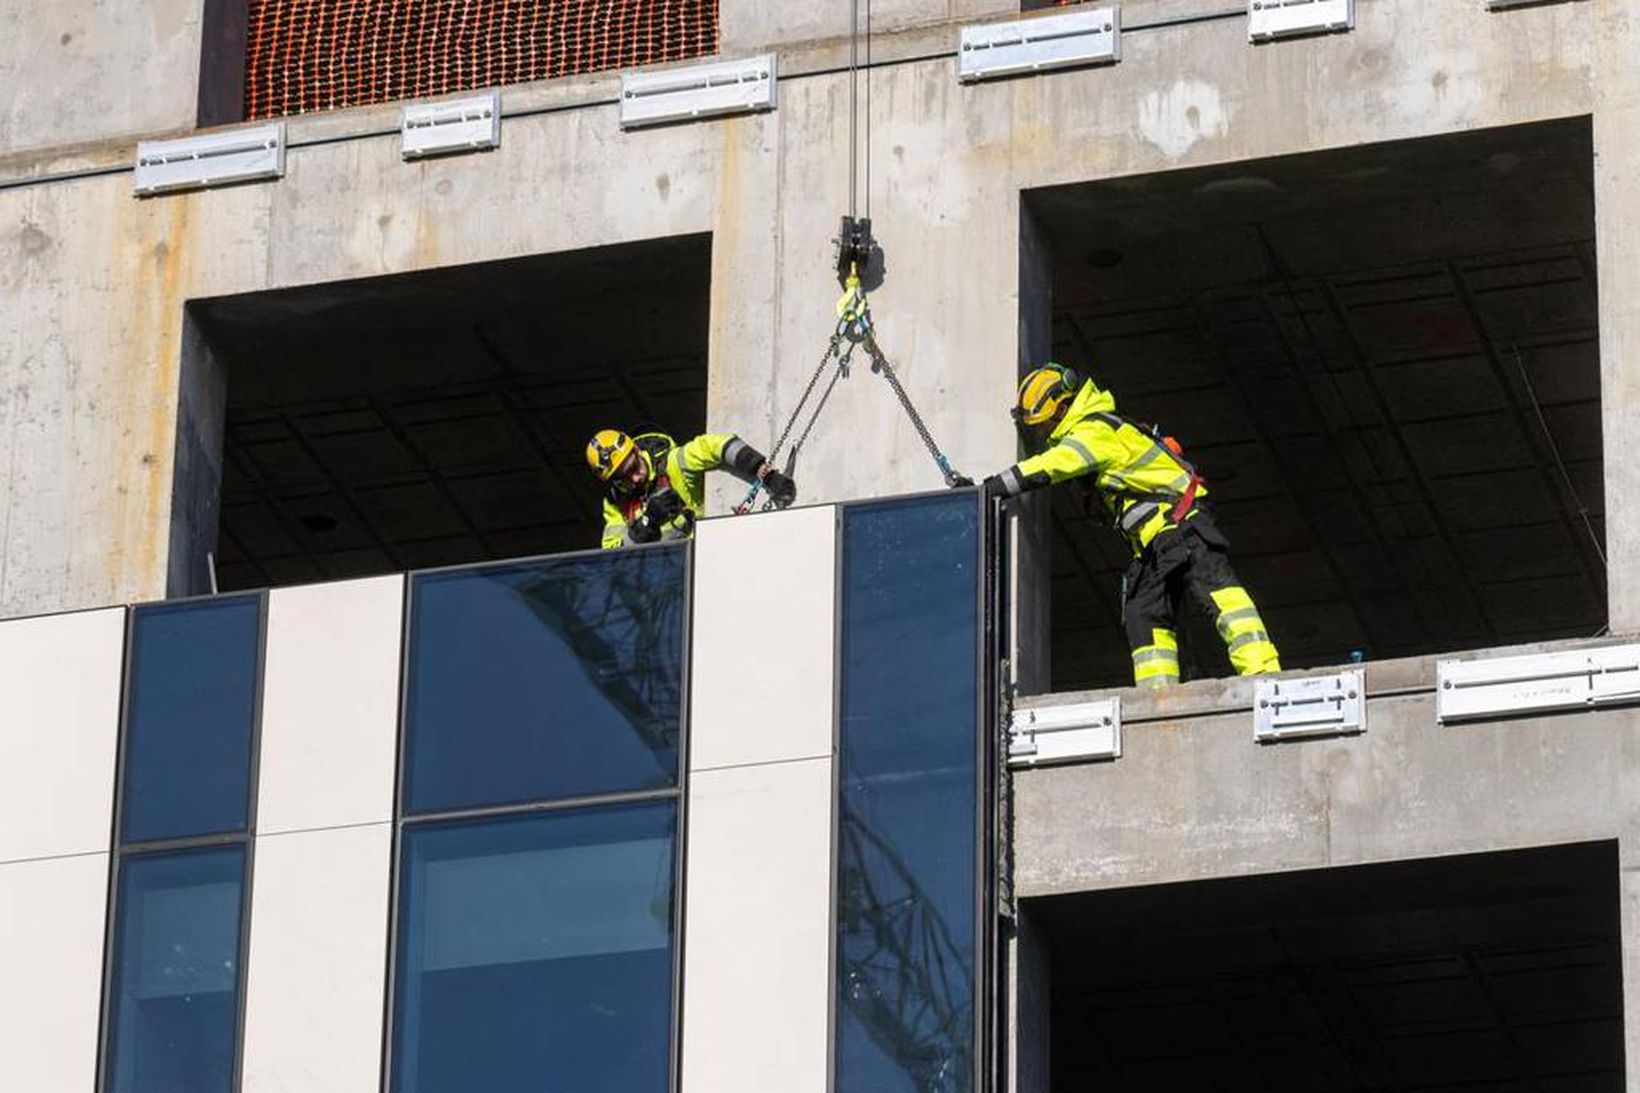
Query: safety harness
[{"x": 1150, "y": 503}]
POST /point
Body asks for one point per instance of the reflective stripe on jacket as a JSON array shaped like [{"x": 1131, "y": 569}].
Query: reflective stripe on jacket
[
  {"x": 681, "y": 466},
  {"x": 1139, "y": 479}
]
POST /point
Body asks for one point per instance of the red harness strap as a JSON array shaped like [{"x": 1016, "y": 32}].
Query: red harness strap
[
  {"x": 633, "y": 508},
  {"x": 1188, "y": 501}
]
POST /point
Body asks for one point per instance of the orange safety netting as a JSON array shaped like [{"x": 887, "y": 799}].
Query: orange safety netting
[{"x": 306, "y": 55}]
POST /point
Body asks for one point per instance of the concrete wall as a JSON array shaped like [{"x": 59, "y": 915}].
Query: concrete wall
[
  {"x": 56, "y": 60},
  {"x": 1194, "y": 797},
  {"x": 92, "y": 281}
]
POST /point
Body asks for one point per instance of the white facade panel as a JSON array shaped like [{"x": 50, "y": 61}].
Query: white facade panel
[
  {"x": 51, "y": 946},
  {"x": 59, "y": 727},
  {"x": 330, "y": 705},
  {"x": 317, "y": 966},
  {"x": 757, "y": 935},
  {"x": 761, "y": 667}
]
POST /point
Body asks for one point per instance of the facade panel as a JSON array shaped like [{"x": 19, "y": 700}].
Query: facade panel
[
  {"x": 757, "y": 936},
  {"x": 317, "y": 969},
  {"x": 552, "y": 678},
  {"x": 59, "y": 710},
  {"x": 907, "y": 827},
  {"x": 536, "y": 952},
  {"x": 330, "y": 705},
  {"x": 191, "y": 701},
  {"x": 173, "y": 996},
  {"x": 760, "y": 684},
  {"x": 51, "y": 935}
]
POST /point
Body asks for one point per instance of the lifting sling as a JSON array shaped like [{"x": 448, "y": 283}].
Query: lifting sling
[{"x": 854, "y": 328}]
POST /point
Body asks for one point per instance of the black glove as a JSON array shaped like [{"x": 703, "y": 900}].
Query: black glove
[
  {"x": 643, "y": 530},
  {"x": 782, "y": 490},
  {"x": 663, "y": 507},
  {"x": 993, "y": 487}
]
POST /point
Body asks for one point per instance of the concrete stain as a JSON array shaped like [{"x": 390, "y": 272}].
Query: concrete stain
[
  {"x": 32, "y": 239},
  {"x": 137, "y": 545},
  {"x": 1174, "y": 120},
  {"x": 663, "y": 186}
]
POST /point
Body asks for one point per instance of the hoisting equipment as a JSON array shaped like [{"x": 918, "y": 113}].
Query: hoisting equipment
[{"x": 856, "y": 254}]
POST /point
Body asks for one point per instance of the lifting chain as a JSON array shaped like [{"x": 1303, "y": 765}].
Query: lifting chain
[{"x": 854, "y": 328}]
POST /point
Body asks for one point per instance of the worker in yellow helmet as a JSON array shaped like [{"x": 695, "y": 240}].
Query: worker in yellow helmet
[
  {"x": 1154, "y": 497},
  {"x": 657, "y": 487}
]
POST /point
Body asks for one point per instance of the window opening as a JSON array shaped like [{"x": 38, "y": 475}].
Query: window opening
[
  {"x": 1384, "y": 359},
  {"x": 429, "y": 419}
]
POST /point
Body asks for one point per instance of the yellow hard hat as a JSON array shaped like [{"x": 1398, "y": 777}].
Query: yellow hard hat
[
  {"x": 1043, "y": 391},
  {"x": 606, "y": 451}
]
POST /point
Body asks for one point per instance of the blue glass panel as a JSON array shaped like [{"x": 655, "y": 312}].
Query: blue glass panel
[
  {"x": 176, "y": 972},
  {"x": 545, "y": 679},
  {"x": 535, "y": 953},
  {"x": 906, "y": 850},
  {"x": 189, "y": 713}
]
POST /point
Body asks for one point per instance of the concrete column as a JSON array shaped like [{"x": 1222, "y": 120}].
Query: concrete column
[
  {"x": 1616, "y": 82},
  {"x": 1032, "y": 527},
  {"x": 196, "y": 466},
  {"x": 948, "y": 310},
  {"x": 1030, "y": 1003},
  {"x": 757, "y": 935}
]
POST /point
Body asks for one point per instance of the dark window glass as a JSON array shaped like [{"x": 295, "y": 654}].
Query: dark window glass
[
  {"x": 535, "y": 953},
  {"x": 906, "y": 852},
  {"x": 189, "y": 713},
  {"x": 546, "y": 679},
  {"x": 176, "y": 972}
]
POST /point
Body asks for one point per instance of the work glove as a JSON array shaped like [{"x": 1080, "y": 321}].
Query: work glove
[
  {"x": 782, "y": 490},
  {"x": 663, "y": 507},
  {"x": 643, "y": 530}
]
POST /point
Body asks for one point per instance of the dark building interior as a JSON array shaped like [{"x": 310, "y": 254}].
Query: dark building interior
[
  {"x": 1492, "y": 973},
  {"x": 440, "y": 417},
  {"x": 1384, "y": 359}
]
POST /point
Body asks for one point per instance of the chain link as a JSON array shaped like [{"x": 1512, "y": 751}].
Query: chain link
[
  {"x": 879, "y": 363},
  {"x": 854, "y": 325},
  {"x": 774, "y": 452}
]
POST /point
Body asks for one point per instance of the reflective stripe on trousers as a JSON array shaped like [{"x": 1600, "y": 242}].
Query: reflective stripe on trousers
[
  {"x": 1157, "y": 664},
  {"x": 1242, "y": 630}
]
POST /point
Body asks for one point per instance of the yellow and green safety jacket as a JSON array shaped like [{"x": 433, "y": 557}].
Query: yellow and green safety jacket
[
  {"x": 681, "y": 468},
  {"x": 1140, "y": 480}
]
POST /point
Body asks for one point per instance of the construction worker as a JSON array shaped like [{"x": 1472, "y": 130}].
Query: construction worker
[
  {"x": 1154, "y": 497},
  {"x": 657, "y": 487}
]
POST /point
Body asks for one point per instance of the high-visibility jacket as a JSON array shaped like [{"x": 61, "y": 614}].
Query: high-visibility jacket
[
  {"x": 1139, "y": 479},
  {"x": 681, "y": 468}
]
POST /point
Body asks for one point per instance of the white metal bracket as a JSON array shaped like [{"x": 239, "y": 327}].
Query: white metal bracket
[
  {"x": 214, "y": 159},
  {"x": 1269, "y": 19},
  {"x": 991, "y": 50},
  {"x": 1569, "y": 680},
  {"x": 1330, "y": 705},
  {"x": 460, "y": 125},
  {"x": 1061, "y": 734},
  {"x": 698, "y": 91}
]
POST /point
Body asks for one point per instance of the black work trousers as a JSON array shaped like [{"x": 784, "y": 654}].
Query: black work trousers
[{"x": 1192, "y": 559}]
